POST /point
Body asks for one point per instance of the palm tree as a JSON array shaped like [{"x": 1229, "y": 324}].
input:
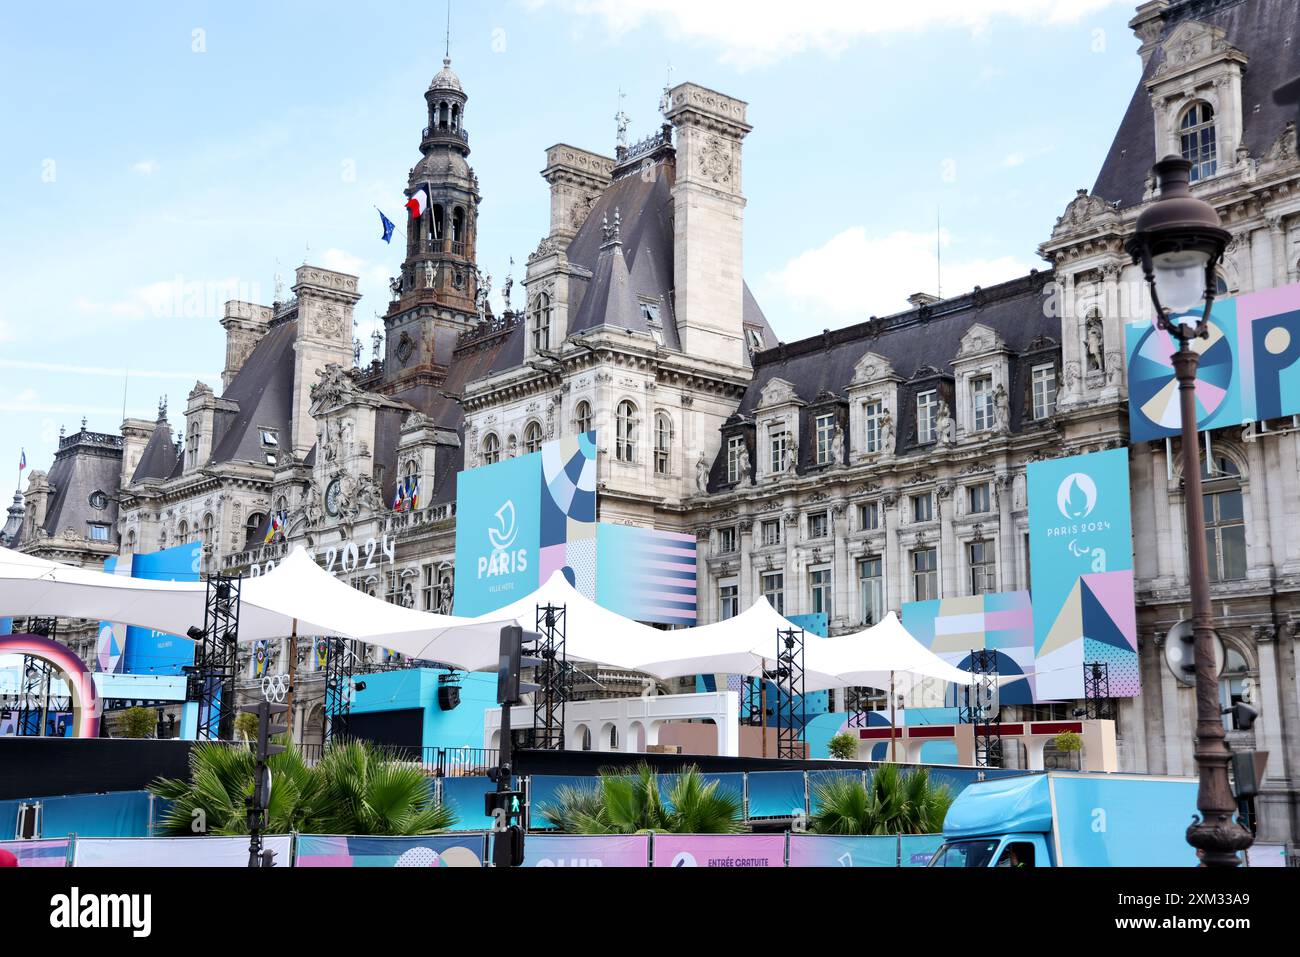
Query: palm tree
[
  {"x": 362, "y": 791},
  {"x": 355, "y": 789},
  {"x": 890, "y": 803},
  {"x": 630, "y": 802},
  {"x": 221, "y": 777}
]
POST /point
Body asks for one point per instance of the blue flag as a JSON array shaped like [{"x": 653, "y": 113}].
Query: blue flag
[{"x": 388, "y": 226}]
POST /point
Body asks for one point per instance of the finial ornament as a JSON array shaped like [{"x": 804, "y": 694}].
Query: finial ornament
[
  {"x": 622, "y": 119},
  {"x": 612, "y": 231}
]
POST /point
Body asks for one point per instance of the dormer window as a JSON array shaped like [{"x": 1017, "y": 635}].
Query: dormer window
[
  {"x": 825, "y": 437},
  {"x": 754, "y": 337},
  {"x": 270, "y": 438},
  {"x": 1196, "y": 140},
  {"x": 981, "y": 392},
  {"x": 541, "y": 323},
  {"x": 927, "y": 413},
  {"x": 735, "y": 447}
]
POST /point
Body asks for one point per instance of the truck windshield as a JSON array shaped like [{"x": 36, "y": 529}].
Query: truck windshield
[{"x": 964, "y": 854}]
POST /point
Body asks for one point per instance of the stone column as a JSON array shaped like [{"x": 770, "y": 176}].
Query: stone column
[
  {"x": 1173, "y": 722},
  {"x": 1268, "y": 729},
  {"x": 949, "y": 560},
  {"x": 794, "y": 600},
  {"x": 1257, "y": 511},
  {"x": 842, "y": 574},
  {"x": 746, "y": 587},
  {"x": 1006, "y": 532},
  {"x": 894, "y": 585}
]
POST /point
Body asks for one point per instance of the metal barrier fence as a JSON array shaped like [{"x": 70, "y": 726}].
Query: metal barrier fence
[{"x": 438, "y": 762}]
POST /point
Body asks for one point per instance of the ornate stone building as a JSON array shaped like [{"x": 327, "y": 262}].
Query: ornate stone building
[{"x": 847, "y": 473}]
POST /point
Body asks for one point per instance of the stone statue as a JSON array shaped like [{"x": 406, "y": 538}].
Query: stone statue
[
  {"x": 312, "y": 509},
  {"x": 481, "y": 296},
  {"x": 445, "y": 596},
  {"x": 395, "y": 287},
  {"x": 792, "y": 461},
  {"x": 369, "y": 496},
  {"x": 837, "y": 446},
  {"x": 507, "y": 286},
  {"x": 428, "y": 274},
  {"x": 943, "y": 424},
  {"x": 701, "y": 475},
  {"x": 408, "y": 596},
  {"x": 622, "y": 120},
  {"x": 1094, "y": 344},
  {"x": 746, "y": 467},
  {"x": 1002, "y": 408},
  {"x": 888, "y": 436},
  {"x": 345, "y": 436}
]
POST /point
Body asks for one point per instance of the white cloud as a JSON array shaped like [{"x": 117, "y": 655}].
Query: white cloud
[
  {"x": 6, "y": 331},
  {"x": 753, "y": 33},
  {"x": 145, "y": 167},
  {"x": 180, "y": 297},
  {"x": 108, "y": 371},
  {"x": 27, "y": 396},
  {"x": 855, "y": 275}
]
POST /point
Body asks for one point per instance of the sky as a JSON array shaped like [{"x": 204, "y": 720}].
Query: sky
[{"x": 160, "y": 158}]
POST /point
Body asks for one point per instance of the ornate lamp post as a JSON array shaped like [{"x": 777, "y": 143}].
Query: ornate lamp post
[{"x": 1179, "y": 241}]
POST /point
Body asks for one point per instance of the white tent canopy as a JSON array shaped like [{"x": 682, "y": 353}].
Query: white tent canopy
[
  {"x": 591, "y": 633},
  {"x": 874, "y": 657},
  {"x": 745, "y": 644},
  {"x": 300, "y": 594}
]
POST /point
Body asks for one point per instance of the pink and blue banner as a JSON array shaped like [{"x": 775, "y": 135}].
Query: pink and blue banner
[
  {"x": 719, "y": 850},
  {"x": 580, "y": 850},
  {"x": 464, "y": 850},
  {"x": 38, "y": 853},
  {"x": 1003, "y": 622},
  {"x": 1249, "y": 367}
]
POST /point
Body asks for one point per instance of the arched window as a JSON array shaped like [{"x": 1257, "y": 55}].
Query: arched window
[
  {"x": 1196, "y": 140},
  {"x": 443, "y": 114},
  {"x": 455, "y": 116},
  {"x": 458, "y": 231},
  {"x": 1232, "y": 683},
  {"x": 252, "y": 527},
  {"x": 663, "y": 443},
  {"x": 207, "y": 529},
  {"x": 1225, "y": 520},
  {"x": 625, "y": 432},
  {"x": 491, "y": 449},
  {"x": 582, "y": 416},
  {"x": 192, "y": 447},
  {"x": 541, "y": 322},
  {"x": 436, "y": 217},
  {"x": 533, "y": 437},
  {"x": 130, "y": 542},
  {"x": 183, "y": 533},
  {"x": 162, "y": 539}
]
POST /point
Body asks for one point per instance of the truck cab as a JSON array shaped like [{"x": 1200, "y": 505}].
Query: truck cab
[{"x": 1070, "y": 820}]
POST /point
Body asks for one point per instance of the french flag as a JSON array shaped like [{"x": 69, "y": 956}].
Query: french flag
[{"x": 418, "y": 203}]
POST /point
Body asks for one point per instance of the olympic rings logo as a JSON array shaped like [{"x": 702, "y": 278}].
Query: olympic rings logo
[{"x": 275, "y": 688}]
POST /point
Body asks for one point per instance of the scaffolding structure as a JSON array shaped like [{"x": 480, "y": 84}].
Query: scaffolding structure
[
  {"x": 791, "y": 705},
  {"x": 980, "y": 708},
  {"x": 212, "y": 678},
  {"x": 340, "y": 670},
  {"x": 1098, "y": 704},
  {"x": 553, "y": 678}
]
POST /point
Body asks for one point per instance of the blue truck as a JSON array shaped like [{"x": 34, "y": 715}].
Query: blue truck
[{"x": 1070, "y": 820}]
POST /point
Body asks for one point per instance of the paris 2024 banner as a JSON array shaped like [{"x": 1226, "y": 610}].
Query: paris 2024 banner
[
  {"x": 1081, "y": 565},
  {"x": 1249, "y": 366}
]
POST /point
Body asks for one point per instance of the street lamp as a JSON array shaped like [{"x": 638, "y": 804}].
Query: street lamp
[{"x": 1178, "y": 242}]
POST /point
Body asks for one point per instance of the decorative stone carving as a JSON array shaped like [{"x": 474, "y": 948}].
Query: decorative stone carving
[
  {"x": 746, "y": 467},
  {"x": 1094, "y": 344},
  {"x": 701, "y": 475},
  {"x": 715, "y": 161},
  {"x": 837, "y": 447},
  {"x": 334, "y": 389},
  {"x": 1002, "y": 408},
  {"x": 943, "y": 424}
]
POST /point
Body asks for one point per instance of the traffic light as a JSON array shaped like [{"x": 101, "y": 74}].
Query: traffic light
[
  {"x": 272, "y": 720},
  {"x": 510, "y": 690}
]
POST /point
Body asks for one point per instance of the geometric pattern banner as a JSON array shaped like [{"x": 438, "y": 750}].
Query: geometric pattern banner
[
  {"x": 1002, "y": 622},
  {"x": 1081, "y": 566},
  {"x": 1249, "y": 366}
]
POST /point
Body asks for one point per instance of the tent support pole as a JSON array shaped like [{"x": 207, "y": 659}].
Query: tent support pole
[
  {"x": 893, "y": 747},
  {"x": 293, "y": 674}
]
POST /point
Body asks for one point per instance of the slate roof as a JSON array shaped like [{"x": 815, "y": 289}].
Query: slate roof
[
  {"x": 86, "y": 462},
  {"x": 920, "y": 344},
  {"x": 263, "y": 387},
  {"x": 159, "y": 459},
  {"x": 1270, "y": 88}
]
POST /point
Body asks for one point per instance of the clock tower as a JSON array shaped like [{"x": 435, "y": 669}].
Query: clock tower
[{"x": 438, "y": 289}]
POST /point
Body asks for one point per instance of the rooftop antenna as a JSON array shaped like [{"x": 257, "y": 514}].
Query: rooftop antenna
[
  {"x": 938, "y": 254},
  {"x": 447, "y": 53},
  {"x": 126, "y": 380},
  {"x": 666, "y": 101}
]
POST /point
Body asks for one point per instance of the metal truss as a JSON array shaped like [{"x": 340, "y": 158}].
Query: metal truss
[
  {"x": 212, "y": 679},
  {"x": 553, "y": 677},
  {"x": 791, "y": 707}
]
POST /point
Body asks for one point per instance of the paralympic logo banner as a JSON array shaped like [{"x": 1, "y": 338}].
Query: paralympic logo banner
[
  {"x": 520, "y": 520},
  {"x": 1249, "y": 366},
  {"x": 1081, "y": 563}
]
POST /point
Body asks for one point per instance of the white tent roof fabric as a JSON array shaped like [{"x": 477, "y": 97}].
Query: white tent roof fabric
[{"x": 298, "y": 591}]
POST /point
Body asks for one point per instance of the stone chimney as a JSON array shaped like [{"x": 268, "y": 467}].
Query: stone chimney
[
  {"x": 245, "y": 324},
  {"x": 577, "y": 178},
  {"x": 325, "y": 302},
  {"x": 918, "y": 299},
  {"x": 708, "y": 217},
  {"x": 135, "y": 436}
]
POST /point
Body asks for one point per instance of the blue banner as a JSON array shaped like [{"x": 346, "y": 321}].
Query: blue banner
[
  {"x": 1081, "y": 565},
  {"x": 142, "y": 651}
]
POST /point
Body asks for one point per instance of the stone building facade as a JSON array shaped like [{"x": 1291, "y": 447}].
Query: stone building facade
[{"x": 846, "y": 473}]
